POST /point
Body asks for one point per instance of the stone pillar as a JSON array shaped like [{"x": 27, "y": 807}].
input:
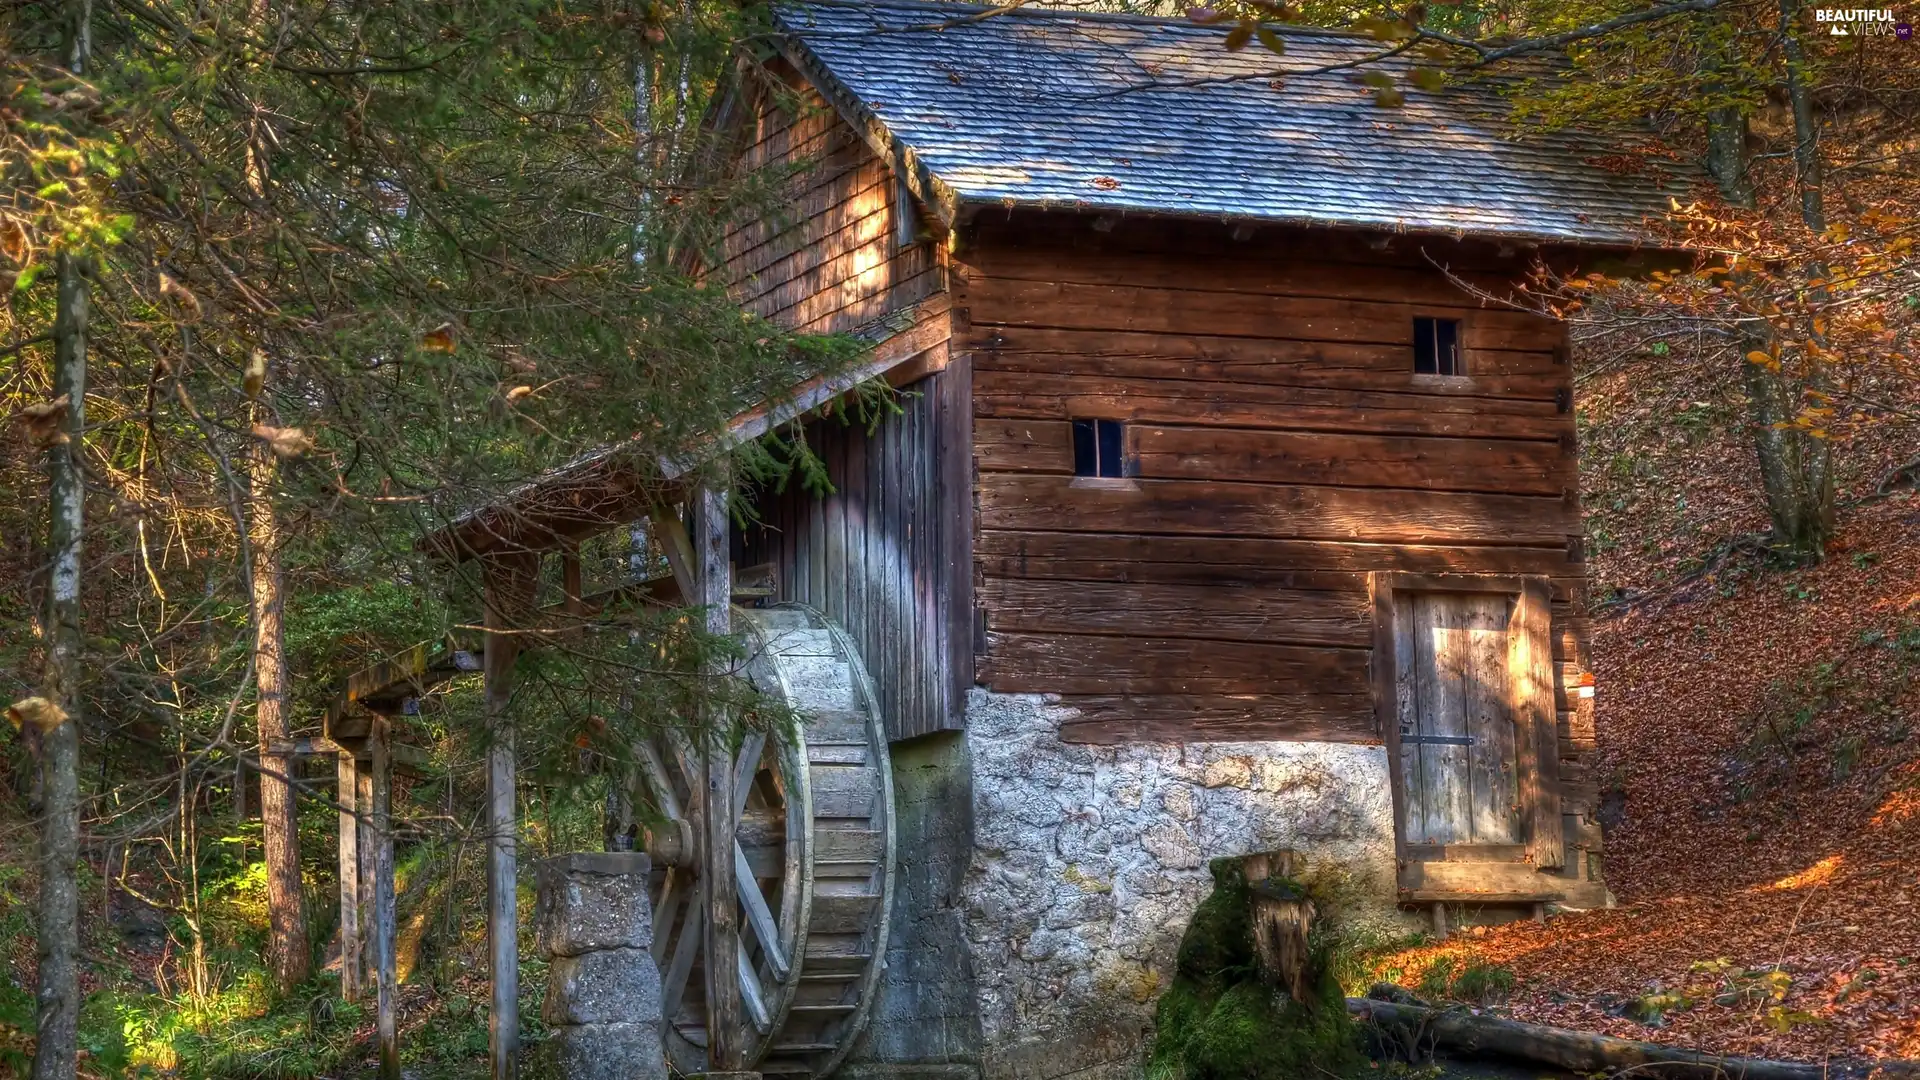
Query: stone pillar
[{"x": 603, "y": 989}]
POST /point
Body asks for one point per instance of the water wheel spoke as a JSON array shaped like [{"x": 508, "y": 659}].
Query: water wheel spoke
[
  {"x": 745, "y": 768},
  {"x": 673, "y": 985},
  {"x": 750, "y": 993},
  {"x": 759, "y": 917},
  {"x": 658, "y": 779},
  {"x": 665, "y": 910}
]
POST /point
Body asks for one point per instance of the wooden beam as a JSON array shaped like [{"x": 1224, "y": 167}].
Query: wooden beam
[
  {"x": 347, "y": 794},
  {"x": 671, "y": 534},
  {"x": 363, "y": 874},
  {"x": 386, "y": 991},
  {"x": 1384, "y": 673},
  {"x": 1530, "y": 675},
  {"x": 724, "y": 1050},
  {"x": 510, "y": 581}
]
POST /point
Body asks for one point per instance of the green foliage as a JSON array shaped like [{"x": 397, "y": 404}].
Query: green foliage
[{"x": 1219, "y": 1021}]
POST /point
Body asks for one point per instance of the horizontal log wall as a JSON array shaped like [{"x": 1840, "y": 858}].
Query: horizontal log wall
[
  {"x": 830, "y": 259},
  {"x": 1281, "y": 445}
]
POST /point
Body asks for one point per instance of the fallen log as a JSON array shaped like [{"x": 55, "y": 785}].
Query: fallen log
[{"x": 1462, "y": 1032}]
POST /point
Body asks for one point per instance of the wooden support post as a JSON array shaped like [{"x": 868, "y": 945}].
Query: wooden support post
[
  {"x": 715, "y": 584},
  {"x": 510, "y": 583},
  {"x": 347, "y": 794},
  {"x": 1439, "y": 920},
  {"x": 386, "y": 992},
  {"x": 367, "y": 841}
]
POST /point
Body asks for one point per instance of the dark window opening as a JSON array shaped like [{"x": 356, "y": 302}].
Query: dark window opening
[
  {"x": 1436, "y": 346},
  {"x": 1098, "y": 448}
]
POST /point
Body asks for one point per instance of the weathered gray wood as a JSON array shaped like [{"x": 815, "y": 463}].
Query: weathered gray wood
[
  {"x": 874, "y": 553},
  {"x": 1406, "y": 716},
  {"x": 1492, "y": 780},
  {"x": 956, "y": 501},
  {"x": 387, "y": 992},
  {"x": 724, "y": 1018},
  {"x": 346, "y": 793},
  {"x": 510, "y": 581}
]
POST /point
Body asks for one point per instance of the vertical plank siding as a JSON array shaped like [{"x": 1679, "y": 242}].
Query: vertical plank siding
[
  {"x": 874, "y": 553},
  {"x": 1280, "y": 448}
]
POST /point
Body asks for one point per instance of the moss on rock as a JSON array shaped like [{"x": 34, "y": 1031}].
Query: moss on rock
[{"x": 1219, "y": 1021}]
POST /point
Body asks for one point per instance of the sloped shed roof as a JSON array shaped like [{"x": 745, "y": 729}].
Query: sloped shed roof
[{"x": 1063, "y": 109}]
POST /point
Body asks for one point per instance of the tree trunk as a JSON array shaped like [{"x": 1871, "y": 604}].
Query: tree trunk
[
  {"x": 58, "y": 1016},
  {"x": 1281, "y": 915},
  {"x": 287, "y": 949},
  {"x": 1796, "y": 467},
  {"x": 1806, "y": 130}
]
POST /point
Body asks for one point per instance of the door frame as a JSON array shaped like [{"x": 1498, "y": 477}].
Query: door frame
[{"x": 1530, "y": 695}]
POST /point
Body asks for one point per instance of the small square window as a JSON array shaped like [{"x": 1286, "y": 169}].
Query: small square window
[
  {"x": 1436, "y": 346},
  {"x": 1098, "y": 448}
]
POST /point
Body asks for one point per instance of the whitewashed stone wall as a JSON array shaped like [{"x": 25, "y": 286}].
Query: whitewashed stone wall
[{"x": 1089, "y": 862}]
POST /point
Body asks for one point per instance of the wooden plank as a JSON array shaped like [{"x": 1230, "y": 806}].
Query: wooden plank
[
  {"x": 510, "y": 581},
  {"x": 387, "y": 989},
  {"x": 956, "y": 521},
  {"x": 1294, "y": 408},
  {"x": 826, "y": 248},
  {"x": 718, "y": 887},
  {"x": 1074, "y": 664},
  {"x": 1291, "y": 715},
  {"x": 1442, "y": 671},
  {"x": 1279, "y": 511},
  {"x": 1511, "y": 466},
  {"x": 1186, "y": 611},
  {"x": 1384, "y": 680},
  {"x": 1493, "y": 794},
  {"x": 352, "y": 947},
  {"x": 842, "y": 793},
  {"x": 1316, "y": 564},
  {"x": 1530, "y": 666},
  {"x": 1274, "y": 361},
  {"x": 1298, "y": 274},
  {"x": 1404, "y": 647},
  {"x": 1066, "y": 305},
  {"x": 848, "y": 846}
]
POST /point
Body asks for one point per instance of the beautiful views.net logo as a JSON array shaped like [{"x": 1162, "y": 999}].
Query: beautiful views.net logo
[{"x": 1849, "y": 22}]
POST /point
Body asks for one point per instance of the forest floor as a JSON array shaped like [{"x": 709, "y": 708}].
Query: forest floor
[{"x": 1758, "y": 752}]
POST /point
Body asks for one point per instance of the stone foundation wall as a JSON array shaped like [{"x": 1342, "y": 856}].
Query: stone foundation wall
[
  {"x": 1089, "y": 861},
  {"x": 594, "y": 924}
]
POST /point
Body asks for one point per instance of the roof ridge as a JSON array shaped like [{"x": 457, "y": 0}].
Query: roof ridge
[{"x": 1030, "y": 10}]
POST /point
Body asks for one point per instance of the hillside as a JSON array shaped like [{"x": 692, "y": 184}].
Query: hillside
[{"x": 1757, "y": 748}]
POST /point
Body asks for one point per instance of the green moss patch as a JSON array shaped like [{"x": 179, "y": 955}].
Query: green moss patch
[{"x": 1219, "y": 1020}]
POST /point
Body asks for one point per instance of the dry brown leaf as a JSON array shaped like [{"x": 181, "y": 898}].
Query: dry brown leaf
[
  {"x": 13, "y": 241},
  {"x": 439, "y": 339},
  {"x": 256, "y": 376},
  {"x": 288, "y": 442},
  {"x": 37, "y": 712},
  {"x": 181, "y": 297},
  {"x": 46, "y": 421}
]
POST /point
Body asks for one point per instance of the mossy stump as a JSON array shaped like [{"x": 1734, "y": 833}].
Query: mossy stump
[{"x": 1253, "y": 995}]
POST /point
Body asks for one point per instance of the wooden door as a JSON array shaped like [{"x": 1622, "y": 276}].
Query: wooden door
[{"x": 1459, "y": 742}]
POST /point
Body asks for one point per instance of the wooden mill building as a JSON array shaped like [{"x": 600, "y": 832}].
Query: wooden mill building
[{"x": 1227, "y": 510}]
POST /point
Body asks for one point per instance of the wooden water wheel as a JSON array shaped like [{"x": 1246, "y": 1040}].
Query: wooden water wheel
[{"x": 813, "y": 858}]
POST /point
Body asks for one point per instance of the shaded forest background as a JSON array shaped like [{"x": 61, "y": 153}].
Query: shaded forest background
[{"x": 337, "y": 273}]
